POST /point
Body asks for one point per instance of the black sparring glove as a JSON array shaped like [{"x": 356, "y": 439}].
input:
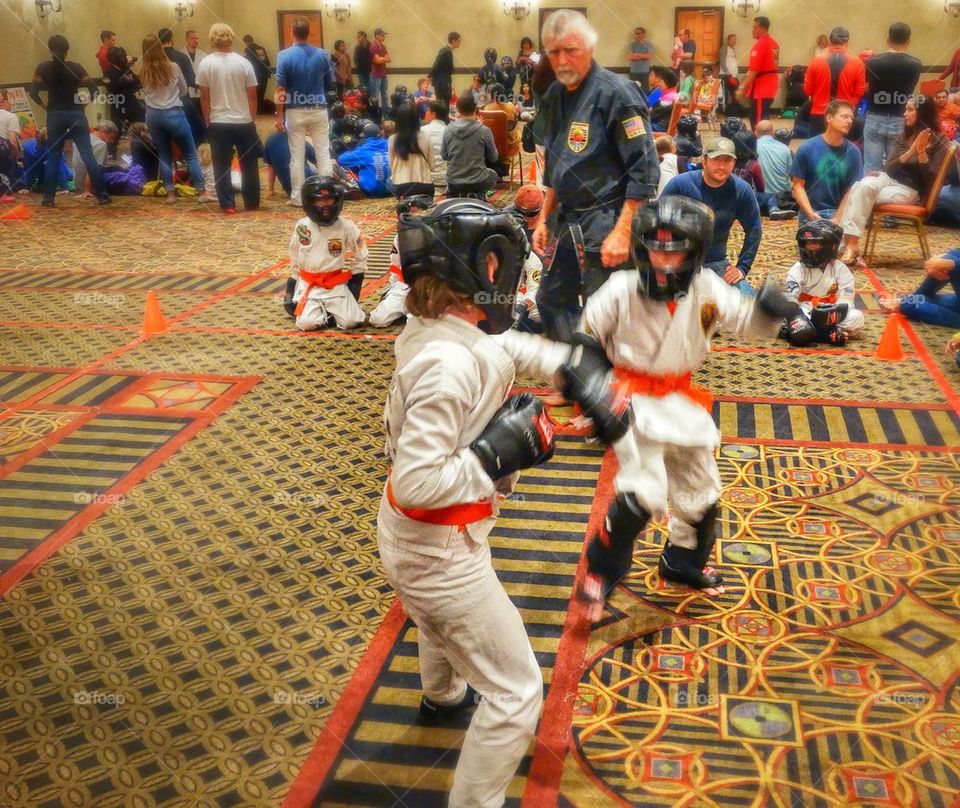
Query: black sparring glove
[
  {"x": 825, "y": 316},
  {"x": 800, "y": 331},
  {"x": 774, "y": 303},
  {"x": 518, "y": 436},
  {"x": 587, "y": 377}
]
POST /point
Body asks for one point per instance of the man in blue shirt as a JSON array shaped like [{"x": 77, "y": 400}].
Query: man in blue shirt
[
  {"x": 730, "y": 199},
  {"x": 826, "y": 167},
  {"x": 305, "y": 78},
  {"x": 775, "y": 159}
]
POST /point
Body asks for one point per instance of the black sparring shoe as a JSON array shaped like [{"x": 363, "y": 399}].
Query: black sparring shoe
[
  {"x": 431, "y": 713},
  {"x": 837, "y": 336},
  {"x": 679, "y": 566},
  {"x": 288, "y": 305}
]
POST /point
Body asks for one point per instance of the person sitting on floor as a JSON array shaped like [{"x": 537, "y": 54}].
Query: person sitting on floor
[
  {"x": 823, "y": 288},
  {"x": 926, "y": 304}
]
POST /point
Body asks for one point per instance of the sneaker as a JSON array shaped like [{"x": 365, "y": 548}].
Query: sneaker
[
  {"x": 782, "y": 215},
  {"x": 432, "y": 713},
  {"x": 48, "y": 203},
  {"x": 229, "y": 211},
  {"x": 294, "y": 203},
  {"x": 104, "y": 199}
]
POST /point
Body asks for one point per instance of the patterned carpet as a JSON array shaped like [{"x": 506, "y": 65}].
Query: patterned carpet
[{"x": 194, "y": 612}]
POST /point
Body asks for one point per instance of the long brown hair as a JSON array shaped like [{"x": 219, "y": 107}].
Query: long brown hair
[
  {"x": 431, "y": 296},
  {"x": 156, "y": 70}
]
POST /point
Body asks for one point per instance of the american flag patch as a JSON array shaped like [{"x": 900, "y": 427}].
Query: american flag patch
[{"x": 633, "y": 127}]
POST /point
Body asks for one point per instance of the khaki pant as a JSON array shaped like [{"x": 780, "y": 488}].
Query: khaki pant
[
  {"x": 300, "y": 123},
  {"x": 470, "y": 631},
  {"x": 870, "y": 191}
]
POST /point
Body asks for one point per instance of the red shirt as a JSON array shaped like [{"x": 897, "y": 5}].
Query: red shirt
[
  {"x": 764, "y": 62},
  {"x": 378, "y": 71},
  {"x": 850, "y": 87},
  {"x": 102, "y": 58}
]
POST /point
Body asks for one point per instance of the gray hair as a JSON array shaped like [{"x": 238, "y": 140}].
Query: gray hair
[
  {"x": 567, "y": 21},
  {"x": 108, "y": 128}
]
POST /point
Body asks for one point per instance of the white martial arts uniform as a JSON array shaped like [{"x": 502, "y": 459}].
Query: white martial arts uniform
[
  {"x": 833, "y": 284},
  {"x": 318, "y": 256},
  {"x": 450, "y": 380},
  {"x": 393, "y": 304},
  {"x": 530, "y": 285},
  {"x": 669, "y": 449}
]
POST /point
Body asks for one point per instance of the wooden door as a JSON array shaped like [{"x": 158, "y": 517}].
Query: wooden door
[
  {"x": 285, "y": 20},
  {"x": 706, "y": 29}
]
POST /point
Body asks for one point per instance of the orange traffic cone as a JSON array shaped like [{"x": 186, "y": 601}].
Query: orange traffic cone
[
  {"x": 20, "y": 213},
  {"x": 889, "y": 347},
  {"x": 153, "y": 320}
]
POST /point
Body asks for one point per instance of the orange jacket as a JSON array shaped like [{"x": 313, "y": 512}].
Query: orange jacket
[{"x": 851, "y": 87}]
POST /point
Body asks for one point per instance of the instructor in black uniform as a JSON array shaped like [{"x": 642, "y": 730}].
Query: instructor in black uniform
[{"x": 601, "y": 165}]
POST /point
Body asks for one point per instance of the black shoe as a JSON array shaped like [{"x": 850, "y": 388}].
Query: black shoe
[
  {"x": 48, "y": 203},
  {"x": 678, "y": 565},
  {"x": 782, "y": 215},
  {"x": 432, "y": 713},
  {"x": 104, "y": 199}
]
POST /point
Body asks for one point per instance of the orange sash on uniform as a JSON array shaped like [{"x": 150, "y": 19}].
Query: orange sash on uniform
[
  {"x": 328, "y": 280},
  {"x": 459, "y": 515},
  {"x": 634, "y": 382},
  {"x": 816, "y": 301}
]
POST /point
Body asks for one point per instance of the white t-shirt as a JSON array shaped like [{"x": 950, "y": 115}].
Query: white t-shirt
[
  {"x": 167, "y": 97},
  {"x": 227, "y": 75},
  {"x": 9, "y": 123},
  {"x": 195, "y": 60}
]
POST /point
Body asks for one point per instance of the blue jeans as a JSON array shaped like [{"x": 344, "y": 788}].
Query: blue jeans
[
  {"x": 948, "y": 207},
  {"x": 926, "y": 306},
  {"x": 720, "y": 267},
  {"x": 379, "y": 87},
  {"x": 879, "y": 133},
  {"x": 171, "y": 126},
  {"x": 825, "y": 213},
  {"x": 63, "y": 124}
]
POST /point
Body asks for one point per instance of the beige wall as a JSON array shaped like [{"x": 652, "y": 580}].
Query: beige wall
[
  {"x": 417, "y": 28},
  {"x": 23, "y": 37}
]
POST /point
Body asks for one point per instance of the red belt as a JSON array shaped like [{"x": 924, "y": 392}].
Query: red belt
[
  {"x": 328, "y": 280},
  {"x": 634, "y": 382},
  {"x": 458, "y": 515},
  {"x": 397, "y": 271},
  {"x": 816, "y": 301}
]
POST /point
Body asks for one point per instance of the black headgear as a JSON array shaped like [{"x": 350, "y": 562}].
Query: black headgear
[
  {"x": 317, "y": 187},
  {"x": 452, "y": 242},
  {"x": 745, "y": 142},
  {"x": 352, "y": 124},
  {"x": 730, "y": 126},
  {"x": 337, "y": 110},
  {"x": 490, "y": 55},
  {"x": 671, "y": 224},
  {"x": 506, "y": 63},
  {"x": 784, "y": 136},
  {"x": 409, "y": 204},
  {"x": 828, "y": 234},
  {"x": 687, "y": 126}
]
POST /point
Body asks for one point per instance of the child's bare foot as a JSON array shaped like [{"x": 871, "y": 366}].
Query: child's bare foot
[
  {"x": 890, "y": 304},
  {"x": 590, "y": 593}
]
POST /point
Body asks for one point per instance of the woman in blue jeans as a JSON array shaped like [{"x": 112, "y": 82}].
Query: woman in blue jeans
[
  {"x": 62, "y": 81},
  {"x": 926, "y": 305},
  {"x": 163, "y": 86}
]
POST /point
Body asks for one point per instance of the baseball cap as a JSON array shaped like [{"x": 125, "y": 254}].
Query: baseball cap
[
  {"x": 378, "y": 31},
  {"x": 720, "y": 147},
  {"x": 529, "y": 200}
]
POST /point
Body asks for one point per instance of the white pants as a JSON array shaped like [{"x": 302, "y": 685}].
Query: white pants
[
  {"x": 392, "y": 306},
  {"x": 470, "y": 631},
  {"x": 870, "y": 191},
  {"x": 324, "y": 303},
  {"x": 301, "y": 122},
  {"x": 654, "y": 472}
]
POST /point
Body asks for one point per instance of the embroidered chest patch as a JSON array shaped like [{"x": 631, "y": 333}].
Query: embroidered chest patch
[
  {"x": 303, "y": 234},
  {"x": 335, "y": 247},
  {"x": 578, "y": 137},
  {"x": 709, "y": 316},
  {"x": 633, "y": 127}
]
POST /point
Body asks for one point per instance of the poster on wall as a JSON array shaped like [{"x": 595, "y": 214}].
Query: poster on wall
[
  {"x": 20, "y": 106},
  {"x": 285, "y": 21}
]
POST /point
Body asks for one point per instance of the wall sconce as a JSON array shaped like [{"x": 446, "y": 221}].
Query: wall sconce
[
  {"x": 337, "y": 8},
  {"x": 42, "y": 10},
  {"x": 952, "y": 7},
  {"x": 745, "y": 8},
  {"x": 182, "y": 9},
  {"x": 518, "y": 9}
]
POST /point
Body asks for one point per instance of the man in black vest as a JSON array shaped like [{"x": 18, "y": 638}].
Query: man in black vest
[{"x": 442, "y": 71}]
